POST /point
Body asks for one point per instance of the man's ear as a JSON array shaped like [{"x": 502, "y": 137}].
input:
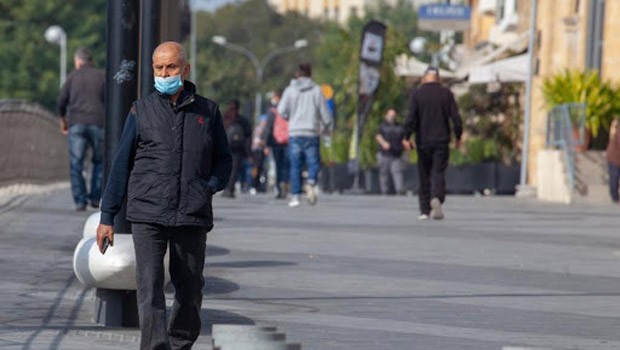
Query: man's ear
[{"x": 186, "y": 71}]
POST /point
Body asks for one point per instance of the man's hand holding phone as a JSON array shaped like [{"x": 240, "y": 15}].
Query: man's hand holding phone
[{"x": 105, "y": 237}]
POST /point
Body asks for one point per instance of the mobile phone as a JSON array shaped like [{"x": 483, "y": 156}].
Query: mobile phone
[{"x": 106, "y": 244}]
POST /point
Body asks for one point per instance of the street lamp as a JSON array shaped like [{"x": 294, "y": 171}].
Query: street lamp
[
  {"x": 259, "y": 66},
  {"x": 56, "y": 35}
]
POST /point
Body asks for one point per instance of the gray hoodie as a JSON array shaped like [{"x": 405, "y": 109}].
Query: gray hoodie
[{"x": 305, "y": 108}]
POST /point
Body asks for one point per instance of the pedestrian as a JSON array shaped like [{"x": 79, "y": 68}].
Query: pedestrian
[
  {"x": 172, "y": 157},
  {"x": 305, "y": 108},
  {"x": 81, "y": 110},
  {"x": 613, "y": 159},
  {"x": 239, "y": 131},
  {"x": 259, "y": 153},
  {"x": 391, "y": 163},
  {"x": 277, "y": 139},
  {"x": 431, "y": 108}
]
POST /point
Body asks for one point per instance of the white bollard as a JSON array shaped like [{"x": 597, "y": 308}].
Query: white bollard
[
  {"x": 116, "y": 269},
  {"x": 90, "y": 227}
]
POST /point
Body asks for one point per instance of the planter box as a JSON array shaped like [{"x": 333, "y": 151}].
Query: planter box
[{"x": 462, "y": 179}]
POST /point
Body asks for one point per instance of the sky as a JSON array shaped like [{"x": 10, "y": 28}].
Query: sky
[{"x": 211, "y": 5}]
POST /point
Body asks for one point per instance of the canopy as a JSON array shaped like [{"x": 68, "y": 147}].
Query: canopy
[
  {"x": 410, "y": 66},
  {"x": 512, "y": 69}
]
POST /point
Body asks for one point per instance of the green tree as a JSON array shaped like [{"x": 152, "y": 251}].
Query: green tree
[
  {"x": 224, "y": 74},
  {"x": 30, "y": 68}
]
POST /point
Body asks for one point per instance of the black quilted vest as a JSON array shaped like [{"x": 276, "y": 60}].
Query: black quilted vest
[{"x": 168, "y": 183}]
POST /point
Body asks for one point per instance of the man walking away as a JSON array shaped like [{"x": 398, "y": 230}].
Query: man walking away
[
  {"x": 304, "y": 106},
  {"x": 391, "y": 164},
  {"x": 431, "y": 108},
  {"x": 172, "y": 157},
  {"x": 613, "y": 158},
  {"x": 81, "y": 109}
]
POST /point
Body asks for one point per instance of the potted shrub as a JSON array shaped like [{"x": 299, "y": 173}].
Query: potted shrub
[{"x": 576, "y": 86}]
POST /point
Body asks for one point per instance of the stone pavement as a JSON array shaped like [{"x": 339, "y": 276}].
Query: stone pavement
[{"x": 349, "y": 273}]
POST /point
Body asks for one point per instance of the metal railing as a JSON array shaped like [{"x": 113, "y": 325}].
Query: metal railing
[{"x": 566, "y": 131}]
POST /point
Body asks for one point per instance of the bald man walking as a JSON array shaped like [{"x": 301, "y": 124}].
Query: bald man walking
[{"x": 172, "y": 157}]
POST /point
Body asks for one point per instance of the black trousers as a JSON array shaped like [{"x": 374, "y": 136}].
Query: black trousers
[
  {"x": 258, "y": 168},
  {"x": 432, "y": 164},
  {"x": 187, "y": 260}
]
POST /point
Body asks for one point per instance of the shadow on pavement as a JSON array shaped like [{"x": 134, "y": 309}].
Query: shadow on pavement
[
  {"x": 251, "y": 263},
  {"x": 213, "y": 250}
]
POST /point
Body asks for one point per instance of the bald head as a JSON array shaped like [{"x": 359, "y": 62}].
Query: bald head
[{"x": 170, "y": 49}]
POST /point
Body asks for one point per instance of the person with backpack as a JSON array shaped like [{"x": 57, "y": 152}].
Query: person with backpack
[
  {"x": 239, "y": 133},
  {"x": 276, "y": 134}
]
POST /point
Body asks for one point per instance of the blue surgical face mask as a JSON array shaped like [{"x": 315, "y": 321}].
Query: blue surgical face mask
[{"x": 169, "y": 85}]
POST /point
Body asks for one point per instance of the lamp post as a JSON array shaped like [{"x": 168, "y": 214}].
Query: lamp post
[
  {"x": 56, "y": 35},
  {"x": 259, "y": 66}
]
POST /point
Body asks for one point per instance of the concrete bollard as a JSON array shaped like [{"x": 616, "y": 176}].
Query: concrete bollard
[
  {"x": 113, "y": 274},
  {"x": 114, "y": 270},
  {"x": 90, "y": 227}
]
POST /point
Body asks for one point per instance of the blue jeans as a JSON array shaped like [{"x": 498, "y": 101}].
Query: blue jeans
[
  {"x": 304, "y": 149},
  {"x": 80, "y": 137}
]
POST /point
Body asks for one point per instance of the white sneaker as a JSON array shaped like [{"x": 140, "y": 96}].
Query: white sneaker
[
  {"x": 253, "y": 191},
  {"x": 311, "y": 192},
  {"x": 423, "y": 217},
  {"x": 436, "y": 212},
  {"x": 294, "y": 202}
]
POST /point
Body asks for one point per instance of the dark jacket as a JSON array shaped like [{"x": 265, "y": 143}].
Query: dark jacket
[
  {"x": 431, "y": 107},
  {"x": 170, "y": 161},
  {"x": 81, "y": 97},
  {"x": 393, "y": 134},
  {"x": 237, "y": 120}
]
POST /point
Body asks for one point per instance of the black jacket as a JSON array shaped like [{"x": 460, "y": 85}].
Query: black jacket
[
  {"x": 178, "y": 156},
  {"x": 81, "y": 97},
  {"x": 431, "y": 107},
  {"x": 394, "y": 135}
]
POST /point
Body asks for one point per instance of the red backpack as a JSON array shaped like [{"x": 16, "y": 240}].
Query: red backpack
[{"x": 280, "y": 128}]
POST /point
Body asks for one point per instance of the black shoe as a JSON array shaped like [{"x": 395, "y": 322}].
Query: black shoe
[
  {"x": 80, "y": 207},
  {"x": 94, "y": 204}
]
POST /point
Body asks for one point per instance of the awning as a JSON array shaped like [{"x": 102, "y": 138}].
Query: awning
[
  {"x": 409, "y": 66},
  {"x": 512, "y": 69}
]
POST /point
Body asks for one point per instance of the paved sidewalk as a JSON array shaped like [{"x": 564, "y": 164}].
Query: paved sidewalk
[{"x": 349, "y": 273}]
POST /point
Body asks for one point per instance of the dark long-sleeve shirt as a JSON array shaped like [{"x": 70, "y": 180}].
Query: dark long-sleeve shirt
[{"x": 431, "y": 107}]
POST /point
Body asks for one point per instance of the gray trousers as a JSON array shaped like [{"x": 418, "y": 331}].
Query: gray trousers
[
  {"x": 187, "y": 260},
  {"x": 391, "y": 169}
]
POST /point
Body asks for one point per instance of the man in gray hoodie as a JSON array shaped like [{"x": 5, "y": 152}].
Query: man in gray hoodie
[{"x": 305, "y": 108}]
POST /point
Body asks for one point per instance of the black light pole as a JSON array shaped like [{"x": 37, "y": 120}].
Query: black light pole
[
  {"x": 149, "y": 39},
  {"x": 118, "y": 307}
]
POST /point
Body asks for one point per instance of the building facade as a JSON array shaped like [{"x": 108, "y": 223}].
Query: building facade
[{"x": 574, "y": 34}]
